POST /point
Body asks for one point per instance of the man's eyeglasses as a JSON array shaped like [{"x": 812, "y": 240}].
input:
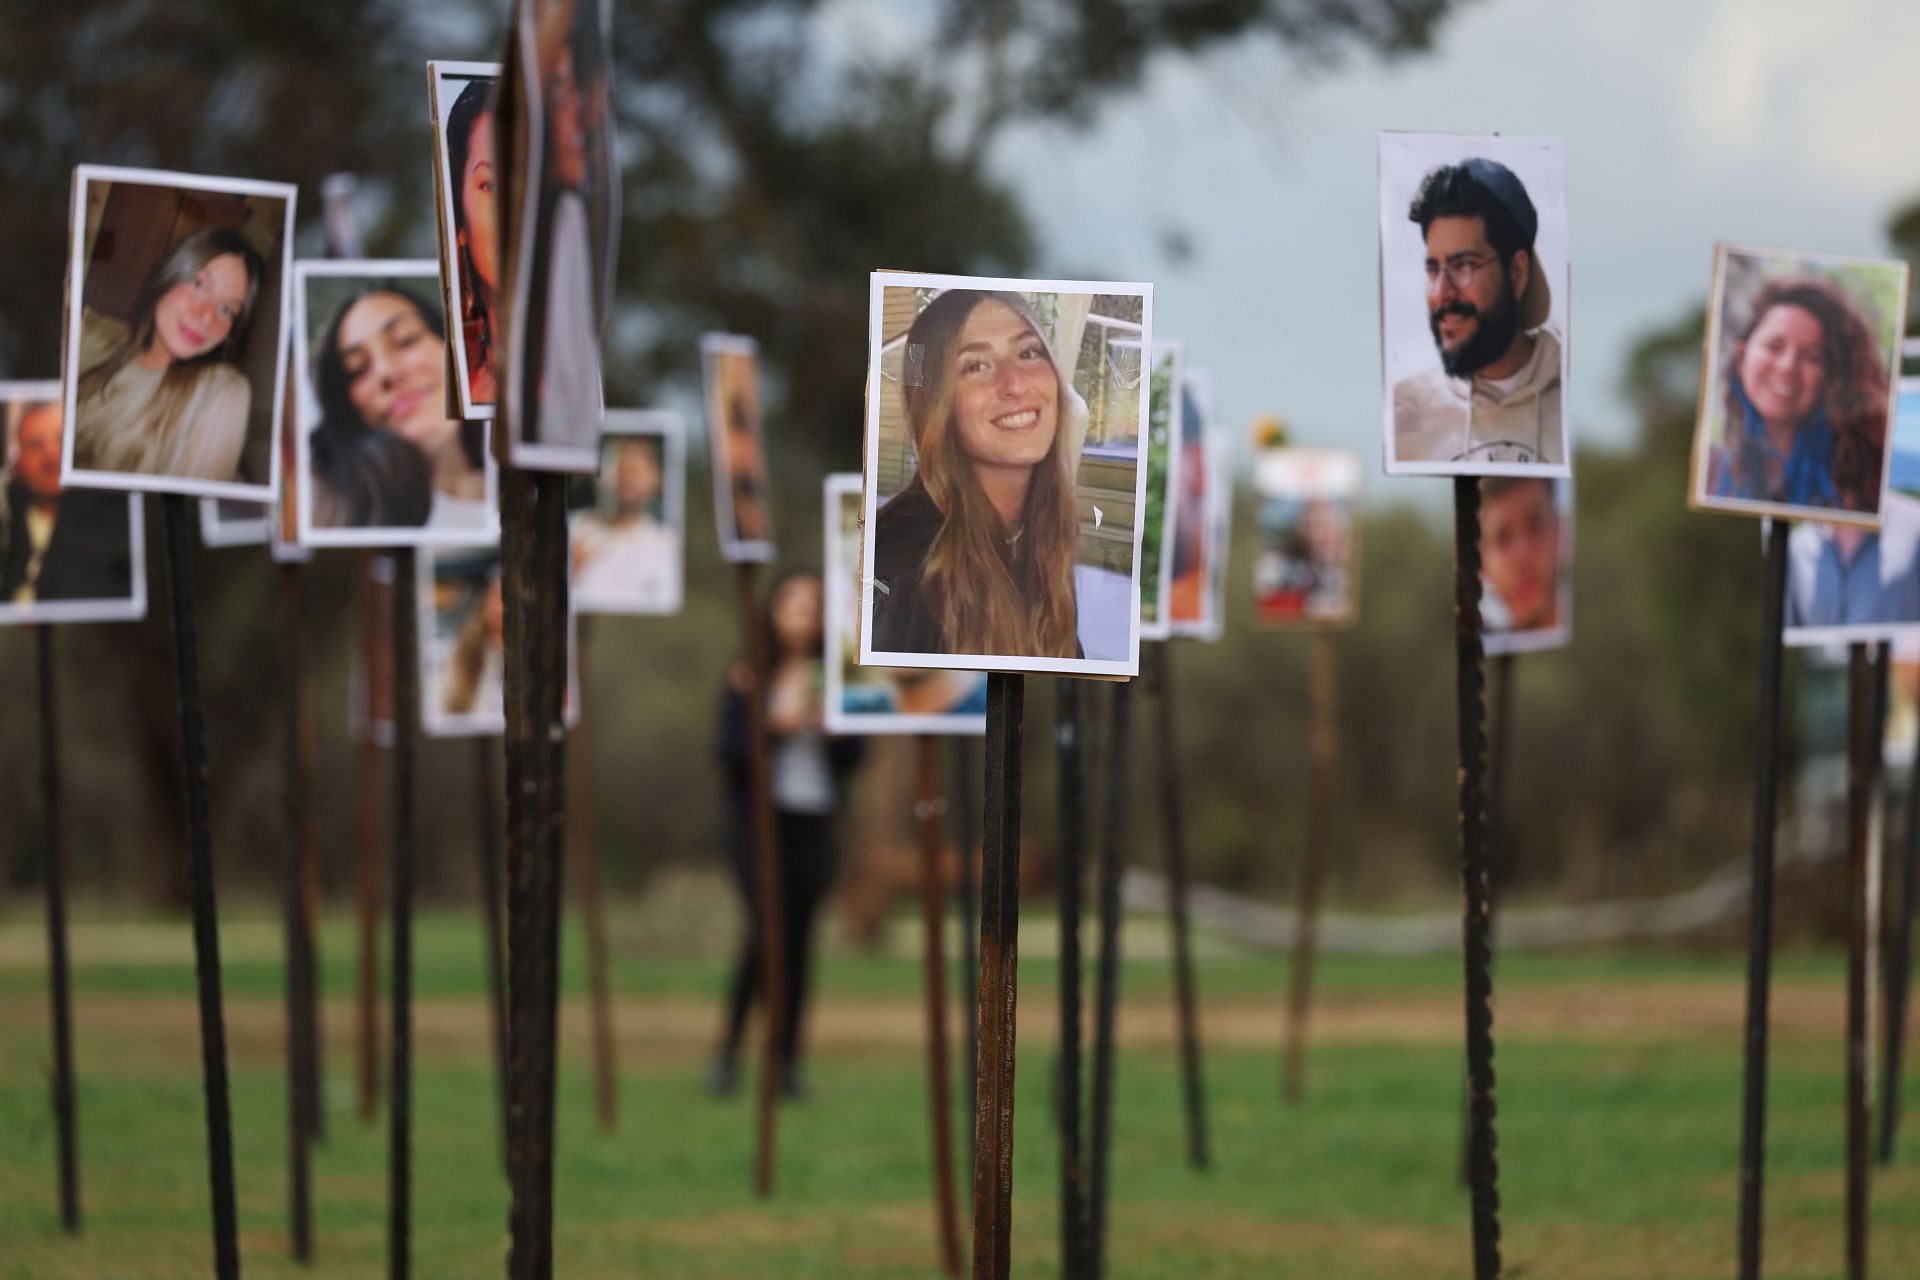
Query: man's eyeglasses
[{"x": 1461, "y": 268}]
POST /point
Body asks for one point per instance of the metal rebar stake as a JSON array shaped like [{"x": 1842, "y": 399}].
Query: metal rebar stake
[
  {"x": 1186, "y": 1001},
  {"x": 1073, "y": 796},
  {"x": 1899, "y": 966},
  {"x": 1483, "y": 1170},
  {"x": 1766, "y": 769},
  {"x": 1107, "y": 976},
  {"x": 406, "y": 716},
  {"x": 299, "y": 953},
  {"x": 999, "y": 980},
  {"x": 59, "y": 975}
]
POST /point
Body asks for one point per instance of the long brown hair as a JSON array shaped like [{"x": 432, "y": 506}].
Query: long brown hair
[
  {"x": 182, "y": 263},
  {"x": 1855, "y": 394},
  {"x": 991, "y": 598}
]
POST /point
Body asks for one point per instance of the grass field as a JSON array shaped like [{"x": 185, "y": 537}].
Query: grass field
[{"x": 1618, "y": 1094}]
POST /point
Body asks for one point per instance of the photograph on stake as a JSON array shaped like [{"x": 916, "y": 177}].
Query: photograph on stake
[
  {"x": 736, "y": 432},
  {"x": 1526, "y": 563},
  {"x": 881, "y": 699},
  {"x": 228, "y": 522},
  {"x": 629, "y": 544},
  {"x": 1202, "y": 516},
  {"x": 176, "y": 328},
  {"x": 1847, "y": 584},
  {"x": 1473, "y": 304},
  {"x": 1005, "y": 483},
  {"x": 1798, "y": 381},
  {"x": 463, "y": 654},
  {"x": 379, "y": 463},
  {"x": 563, "y": 233},
  {"x": 466, "y": 180},
  {"x": 1306, "y": 534},
  {"x": 1167, "y": 364},
  {"x": 66, "y": 555}
]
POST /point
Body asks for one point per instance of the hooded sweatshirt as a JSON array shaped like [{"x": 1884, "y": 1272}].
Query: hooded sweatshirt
[{"x": 1437, "y": 418}]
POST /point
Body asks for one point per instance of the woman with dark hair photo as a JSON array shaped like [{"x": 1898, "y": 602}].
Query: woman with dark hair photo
[
  {"x": 384, "y": 453},
  {"x": 976, "y": 554},
  {"x": 469, "y": 134},
  {"x": 1806, "y": 402},
  {"x": 160, "y": 394}
]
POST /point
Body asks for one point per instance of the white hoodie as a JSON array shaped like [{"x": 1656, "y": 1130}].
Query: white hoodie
[{"x": 1435, "y": 419}]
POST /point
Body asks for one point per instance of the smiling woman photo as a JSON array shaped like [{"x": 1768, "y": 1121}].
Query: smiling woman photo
[
  {"x": 976, "y": 554},
  {"x": 384, "y": 452},
  {"x": 160, "y": 394}
]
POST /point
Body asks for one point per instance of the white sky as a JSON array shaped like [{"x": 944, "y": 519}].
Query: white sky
[{"x": 1764, "y": 121}]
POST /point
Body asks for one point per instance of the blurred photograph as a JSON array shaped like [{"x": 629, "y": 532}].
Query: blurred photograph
[
  {"x": 1201, "y": 511},
  {"x": 1848, "y": 584},
  {"x": 628, "y": 546},
  {"x": 736, "y": 431},
  {"x": 1473, "y": 279},
  {"x": 176, "y": 324},
  {"x": 1005, "y": 480},
  {"x": 1166, "y": 362},
  {"x": 381, "y": 462},
  {"x": 227, "y": 522},
  {"x": 881, "y": 699},
  {"x": 66, "y": 555},
  {"x": 463, "y": 655},
  {"x": 469, "y": 224},
  {"x": 1798, "y": 385},
  {"x": 565, "y": 234},
  {"x": 1306, "y": 565},
  {"x": 1526, "y": 563}
]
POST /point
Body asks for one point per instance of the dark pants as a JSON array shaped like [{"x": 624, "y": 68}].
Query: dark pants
[{"x": 804, "y": 874}]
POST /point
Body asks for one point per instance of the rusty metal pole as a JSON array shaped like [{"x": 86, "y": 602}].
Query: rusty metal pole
[
  {"x": 369, "y": 620},
  {"x": 1862, "y": 747},
  {"x": 1323, "y": 700},
  {"x": 930, "y": 810},
  {"x": 60, "y": 988},
  {"x": 593, "y": 910},
  {"x": 406, "y": 716},
  {"x": 1483, "y": 1170},
  {"x": 300, "y": 1104},
  {"x": 1069, "y": 729},
  {"x": 1753, "y": 1129},
  {"x": 1186, "y": 1001},
  {"x": 999, "y": 980},
  {"x": 492, "y": 907},
  {"x": 770, "y": 901},
  {"x": 1106, "y": 997},
  {"x": 306, "y": 753},
  {"x": 967, "y": 906}
]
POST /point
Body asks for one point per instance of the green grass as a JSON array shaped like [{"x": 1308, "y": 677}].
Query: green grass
[{"x": 1618, "y": 1152}]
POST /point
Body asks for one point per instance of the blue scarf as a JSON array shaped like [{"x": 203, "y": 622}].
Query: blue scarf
[{"x": 1807, "y": 477}]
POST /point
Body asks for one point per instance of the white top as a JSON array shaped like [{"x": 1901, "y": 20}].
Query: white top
[{"x": 116, "y": 429}]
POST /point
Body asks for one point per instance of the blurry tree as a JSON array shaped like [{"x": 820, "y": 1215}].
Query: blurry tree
[{"x": 773, "y": 152}]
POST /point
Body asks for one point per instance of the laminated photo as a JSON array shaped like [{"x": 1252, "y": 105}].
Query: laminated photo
[
  {"x": 1306, "y": 527},
  {"x": 1526, "y": 563},
  {"x": 563, "y": 222},
  {"x": 1202, "y": 516},
  {"x": 1006, "y": 486},
  {"x": 629, "y": 546},
  {"x": 1797, "y": 386},
  {"x": 881, "y": 699},
  {"x": 466, "y": 185},
  {"x": 1474, "y": 304},
  {"x": 66, "y": 555},
  {"x": 736, "y": 430},
  {"x": 1847, "y": 584},
  {"x": 463, "y": 657},
  {"x": 379, "y": 463},
  {"x": 1166, "y": 362},
  {"x": 176, "y": 332}
]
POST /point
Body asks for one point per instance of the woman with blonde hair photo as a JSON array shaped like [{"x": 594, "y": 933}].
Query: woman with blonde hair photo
[
  {"x": 160, "y": 394},
  {"x": 976, "y": 555}
]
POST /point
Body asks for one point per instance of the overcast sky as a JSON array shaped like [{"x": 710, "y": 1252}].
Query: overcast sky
[{"x": 1766, "y": 121}]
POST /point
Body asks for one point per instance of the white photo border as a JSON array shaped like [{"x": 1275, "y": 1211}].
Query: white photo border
[
  {"x": 837, "y": 488},
  {"x": 877, "y": 283},
  {"x": 266, "y": 494},
  {"x": 670, "y": 429},
  {"x": 369, "y": 536}
]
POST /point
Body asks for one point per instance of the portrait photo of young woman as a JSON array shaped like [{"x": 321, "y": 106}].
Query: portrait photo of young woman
[
  {"x": 1798, "y": 390},
  {"x": 469, "y": 223},
  {"x": 382, "y": 463},
  {"x": 172, "y": 379},
  {"x": 1005, "y": 423}
]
